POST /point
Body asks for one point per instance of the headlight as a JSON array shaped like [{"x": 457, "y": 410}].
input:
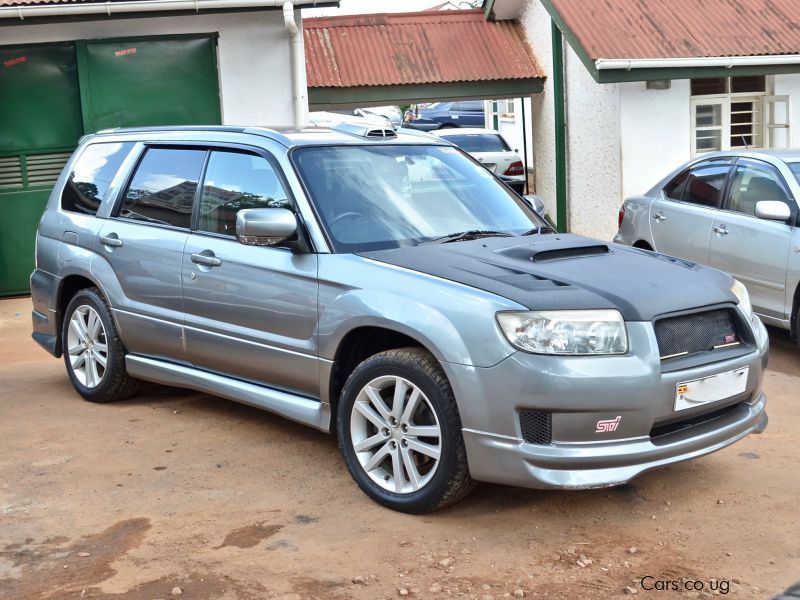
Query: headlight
[
  {"x": 738, "y": 289},
  {"x": 566, "y": 331}
]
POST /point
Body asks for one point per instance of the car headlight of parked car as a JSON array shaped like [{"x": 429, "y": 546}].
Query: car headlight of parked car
[
  {"x": 566, "y": 331},
  {"x": 738, "y": 289}
]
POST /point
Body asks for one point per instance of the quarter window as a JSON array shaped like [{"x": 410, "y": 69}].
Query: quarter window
[
  {"x": 705, "y": 185},
  {"x": 750, "y": 185},
  {"x": 92, "y": 175},
  {"x": 163, "y": 188},
  {"x": 675, "y": 188},
  {"x": 235, "y": 181}
]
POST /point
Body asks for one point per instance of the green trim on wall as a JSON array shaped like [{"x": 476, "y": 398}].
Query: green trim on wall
[
  {"x": 560, "y": 128},
  {"x": 320, "y": 98},
  {"x": 488, "y": 7},
  {"x": 623, "y": 75}
]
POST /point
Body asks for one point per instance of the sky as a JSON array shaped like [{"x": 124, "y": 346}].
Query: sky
[{"x": 350, "y": 7}]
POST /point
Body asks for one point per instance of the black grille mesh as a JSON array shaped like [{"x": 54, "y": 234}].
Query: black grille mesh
[
  {"x": 537, "y": 426},
  {"x": 698, "y": 332}
]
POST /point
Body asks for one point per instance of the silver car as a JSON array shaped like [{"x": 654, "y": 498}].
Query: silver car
[
  {"x": 735, "y": 211},
  {"x": 386, "y": 288}
]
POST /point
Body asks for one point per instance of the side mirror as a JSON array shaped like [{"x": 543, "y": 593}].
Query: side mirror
[
  {"x": 536, "y": 203},
  {"x": 773, "y": 210},
  {"x": 265, "y": 226}
]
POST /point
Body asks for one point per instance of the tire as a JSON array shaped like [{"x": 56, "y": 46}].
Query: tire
[
  {"x": 429, "y": 413},
  {"x": 90, "y": 332}
]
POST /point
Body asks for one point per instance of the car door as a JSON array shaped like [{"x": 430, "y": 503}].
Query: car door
[
  {"x": 143, "y": 244},
  {"x": 681, "y": 217},
  {"x": 251, "y": 311},
  {"x": 754, "y": 250}
]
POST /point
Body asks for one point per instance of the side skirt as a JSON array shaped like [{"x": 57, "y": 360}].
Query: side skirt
[{"x": 297, "y": 408}]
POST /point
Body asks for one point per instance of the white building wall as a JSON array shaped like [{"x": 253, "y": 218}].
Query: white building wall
[
  {"x": 655, "y": 133},
  {"x": 253, "y": 55},
  {"x": 790, "y": 84},
  {"x": 594, "y": 182}
]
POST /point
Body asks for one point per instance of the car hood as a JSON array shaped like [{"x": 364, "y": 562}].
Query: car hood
[{"x": 564, "y": 271}]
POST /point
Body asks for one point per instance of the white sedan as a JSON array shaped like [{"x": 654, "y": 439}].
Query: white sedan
[{"x": 491, "y": 149}]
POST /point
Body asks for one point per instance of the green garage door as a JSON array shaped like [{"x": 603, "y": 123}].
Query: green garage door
[
  {"x": 131, "y": 82},
  {"x": 51, "y": 94},
  {"x": 40, "y": 122}
]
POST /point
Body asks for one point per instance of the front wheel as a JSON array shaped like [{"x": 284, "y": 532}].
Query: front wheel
[
  {"x": 93, "y": 353},
  {"x": 400, "y": 433}
]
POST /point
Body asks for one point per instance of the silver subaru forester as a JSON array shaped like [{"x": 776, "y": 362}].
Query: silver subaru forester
[{"x": 386, "y": 287}]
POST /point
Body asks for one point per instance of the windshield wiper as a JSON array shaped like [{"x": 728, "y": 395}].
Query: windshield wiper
[
  {"x": 472, "y": 234},
  {"x": 540, "y": 229}
]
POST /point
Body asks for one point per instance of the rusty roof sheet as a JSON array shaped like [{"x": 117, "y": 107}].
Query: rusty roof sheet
[
  {"x": 682, "y": 28},
  {"x": 418, "y": 48}
]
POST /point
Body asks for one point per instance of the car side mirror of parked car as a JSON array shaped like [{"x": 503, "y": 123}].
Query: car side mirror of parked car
[
  {"x": 536, "y": 203},
  {"x": 265, "y": 226},
  {"x": 773, "y": 210}
]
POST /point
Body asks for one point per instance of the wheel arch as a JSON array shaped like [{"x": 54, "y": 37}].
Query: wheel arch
[
  {"x": 643, "y": 245},
  {"x": 69, "y": 285},
  {"x": 360, "y": 343}
]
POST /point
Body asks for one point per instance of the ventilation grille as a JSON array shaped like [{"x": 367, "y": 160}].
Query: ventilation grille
[
  {"x": 677, "y": 426},
  {"x": 41, "y": 170},
  {"x": 381, "y": 133},
  {"x": 698, "y": 332},
  {"x": 44, "y": 169},
  {"x": 561, "y": 253},
  {"x": 10, "y": 172},
  {"x": 536, "y": 426}
]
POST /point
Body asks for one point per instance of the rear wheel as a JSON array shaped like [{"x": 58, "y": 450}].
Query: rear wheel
[
  {"x": 400, "y": 433},
  {"x": 93, "y": 353}
]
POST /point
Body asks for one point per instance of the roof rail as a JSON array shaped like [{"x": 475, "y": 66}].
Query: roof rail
[
  {"x": 365, "y": 131},
  {"x": 223, "y": 128}
]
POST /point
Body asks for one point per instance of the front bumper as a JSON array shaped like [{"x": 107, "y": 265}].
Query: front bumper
[{"x": 580, "y": 391}]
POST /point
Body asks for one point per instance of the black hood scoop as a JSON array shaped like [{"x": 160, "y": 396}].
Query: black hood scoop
[{"x": 539, "y": 254}]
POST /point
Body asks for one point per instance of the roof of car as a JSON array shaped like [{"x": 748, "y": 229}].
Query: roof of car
[
  {"x": 787, "y": 155},
  {"x": 289, "y": 136}
]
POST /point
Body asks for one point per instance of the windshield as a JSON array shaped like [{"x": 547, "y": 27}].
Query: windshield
[
  {"x": 380, "y": 197},
  {"x": 795, "y": 167},
  {"x": 478, "y": 142}
]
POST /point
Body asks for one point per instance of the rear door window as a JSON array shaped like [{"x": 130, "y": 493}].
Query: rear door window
[
  {"x": 706, "y": 185},
  {"x": 91, "y": 176},
  {"x": 235, "y": 181},
  {"x": 676, "y": 187},
  {"x": 163, "y": 187}
]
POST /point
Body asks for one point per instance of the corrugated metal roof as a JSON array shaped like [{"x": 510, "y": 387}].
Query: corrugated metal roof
[
  {"x": 418, "y": 48},
  {"x": 682, "y": 28}
]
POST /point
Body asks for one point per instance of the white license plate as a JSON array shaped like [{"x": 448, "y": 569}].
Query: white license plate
[{"x": 689, "y": 394}]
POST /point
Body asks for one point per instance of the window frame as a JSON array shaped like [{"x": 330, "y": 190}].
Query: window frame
[
  {"x": 123, "y": 191},
  {"x": 765, "y": 166},
  {"x": 247, "y": 150},
  {"x": 700, "y": 164}
]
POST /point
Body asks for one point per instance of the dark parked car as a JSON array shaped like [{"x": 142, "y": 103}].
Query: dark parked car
[{"x": 441, "y": 115}]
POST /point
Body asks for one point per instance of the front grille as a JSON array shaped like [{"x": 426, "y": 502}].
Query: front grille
[
  {"x": 537, "y": 426},
  {"x": 697, "y": 332},
  {"x": 675, "y": 426}
]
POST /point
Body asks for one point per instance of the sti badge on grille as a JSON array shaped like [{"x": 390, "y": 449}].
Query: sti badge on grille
[{"x": 608, "y": 425}]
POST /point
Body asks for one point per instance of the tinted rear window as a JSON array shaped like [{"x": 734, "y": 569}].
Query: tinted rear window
[
  {"x": 163, "y": 188},
  {"x": 91, "y": 176},
  {"x": 706, "y": 184},
  {"x": 478, "y": 142},
  {"x": 795, "y": 167}
]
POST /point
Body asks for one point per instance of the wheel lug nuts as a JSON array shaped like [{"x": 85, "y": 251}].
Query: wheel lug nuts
[
  {"x": 404, "y": 443},
  {"x": 404, "y": 428}
]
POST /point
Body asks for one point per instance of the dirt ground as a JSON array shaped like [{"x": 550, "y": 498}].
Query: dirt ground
[{"x": 176, "y": 489}]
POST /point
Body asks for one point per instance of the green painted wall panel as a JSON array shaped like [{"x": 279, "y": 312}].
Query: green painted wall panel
[
  {"x": 140, "y": 82},
  {"x": 19, "y": 217},
  {"x": 39, "y": 97}
]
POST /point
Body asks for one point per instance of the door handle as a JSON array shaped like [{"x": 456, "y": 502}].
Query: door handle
[
  {"x": 208, "y": 260},
  {"x": 720, "y": 230},
  {"x": 111, "y": 240},
  {"x": 659, "y": 217}
]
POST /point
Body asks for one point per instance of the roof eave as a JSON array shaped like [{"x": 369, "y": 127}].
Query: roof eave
[{"x": 647, "y": 69}]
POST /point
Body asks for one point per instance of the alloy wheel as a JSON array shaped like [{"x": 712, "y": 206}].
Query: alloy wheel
[
  {"x": 396, "y": 435},
  {"x": 87, "y": 346}
]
